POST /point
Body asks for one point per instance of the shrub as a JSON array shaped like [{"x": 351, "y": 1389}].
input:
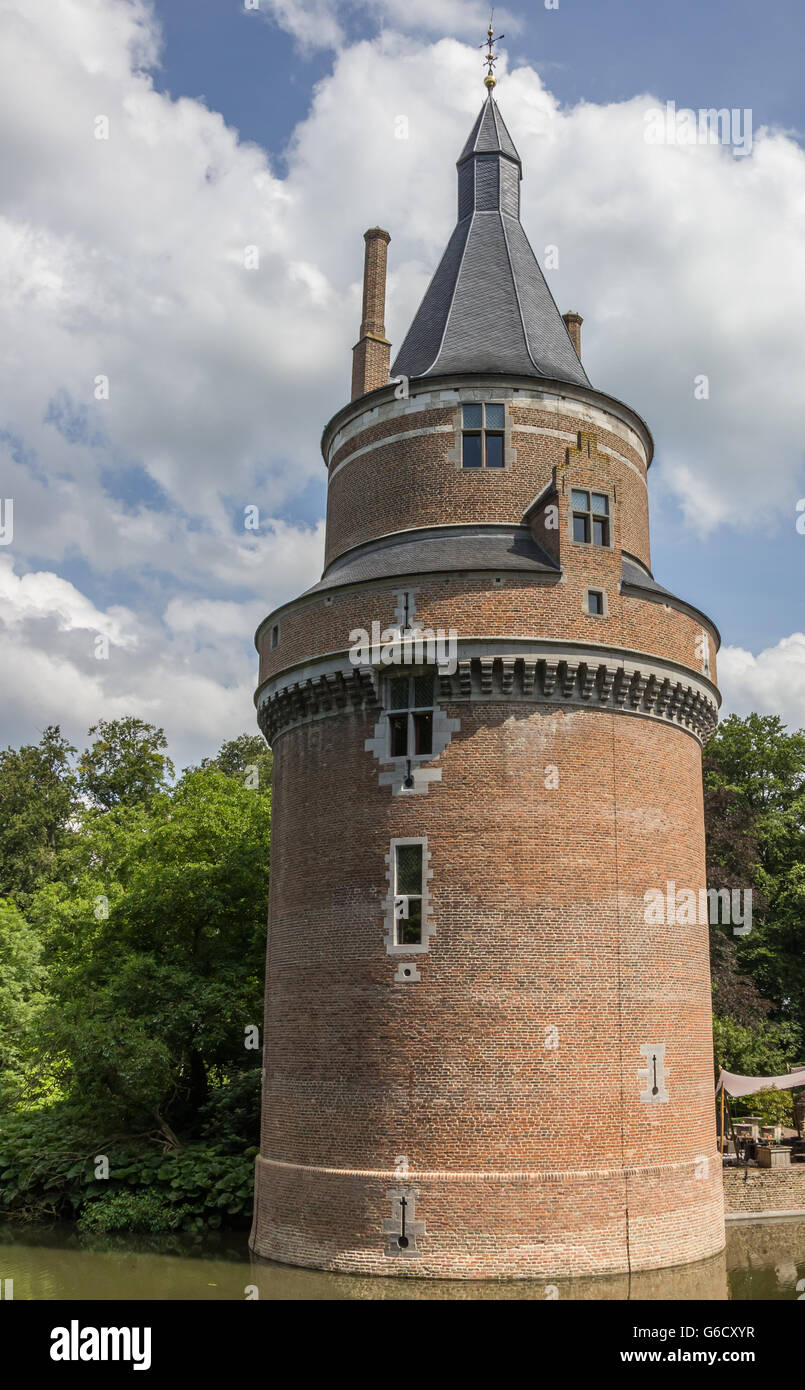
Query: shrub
[{"x": 131, "y": 1211}]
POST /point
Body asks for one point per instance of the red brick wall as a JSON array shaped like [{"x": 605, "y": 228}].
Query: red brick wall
[
  {"x": 521, "y": 607},
  {"x": 412, "y": 482},
  {"x": 538, "y": 915}
]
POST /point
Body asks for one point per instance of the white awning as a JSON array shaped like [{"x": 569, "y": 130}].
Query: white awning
[{"x": 750, "y": 1085}]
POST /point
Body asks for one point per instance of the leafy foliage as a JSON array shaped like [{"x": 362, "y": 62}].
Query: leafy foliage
[
  {"x": 37, "y": 803},
  {"x": 125, "y": 764},
  {"x": 130, "y": 972},
  {"x": 754, "y": 779},
  {"x": 49, "y": 1161}
]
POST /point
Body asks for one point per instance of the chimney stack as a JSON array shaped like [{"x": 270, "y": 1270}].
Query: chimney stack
[
  {"x": 573, "y": 322},
  {"x": 372, "y": 352}
]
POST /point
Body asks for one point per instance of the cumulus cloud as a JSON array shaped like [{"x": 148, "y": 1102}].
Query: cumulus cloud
[
  {"x": 54, "y": 670},
  {"x": 220, "y": 302},
  {"x": 323, "y": 24},
  {"x": 773, "y": 682},
  {"x": 43, "y": 595}
]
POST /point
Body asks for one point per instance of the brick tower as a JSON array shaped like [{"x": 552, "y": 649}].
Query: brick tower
[{"x": 480, "y": 1059}]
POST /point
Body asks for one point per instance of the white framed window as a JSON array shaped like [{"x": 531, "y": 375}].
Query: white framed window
[
  {"x": 409, "y": 884},
  {"x": 408, "y": 911}
]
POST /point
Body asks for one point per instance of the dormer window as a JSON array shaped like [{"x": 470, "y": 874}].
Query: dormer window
[
  {"x": 410, "y": 716},
  {"x": 483, "y": 434},
  {"x": 590, "y": 517}
]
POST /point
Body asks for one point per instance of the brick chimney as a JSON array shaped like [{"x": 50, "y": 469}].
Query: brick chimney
[
  {"x": 372, "y": 352},
  {"x": 573, "y": 322}
]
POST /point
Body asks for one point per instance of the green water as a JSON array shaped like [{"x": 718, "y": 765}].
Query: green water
[{"x": 763, "y": 1260}]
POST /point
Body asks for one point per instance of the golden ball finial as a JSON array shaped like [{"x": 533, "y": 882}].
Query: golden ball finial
[{"x": 490, "y": 82}]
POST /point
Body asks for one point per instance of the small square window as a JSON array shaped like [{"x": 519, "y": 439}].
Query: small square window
[
  {"x": 595, "y": 603},
  {"x": 472, "y": 416},
  {"x": 601, "y": 504},
  {"x": 581, "y": 500},
  {"x": 495, "y": 417}
]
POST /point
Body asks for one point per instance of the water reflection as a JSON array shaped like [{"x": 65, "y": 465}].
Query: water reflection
[{"x": 762, "y": 1261}]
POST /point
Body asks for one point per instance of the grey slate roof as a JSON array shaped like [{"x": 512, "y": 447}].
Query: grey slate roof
[
  {"x": 637, "y": 577},
  {"x": 488, "y": 307},
  {"x": 439, "y": 549},
  {"x": 489, "y": 134}
]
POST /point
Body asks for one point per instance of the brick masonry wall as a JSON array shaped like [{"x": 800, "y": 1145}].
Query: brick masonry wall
[
  {"x": 527, "y": 1159},
  {"x": 415, "y": 479},
  {"x": 521, "y": 607},
  {"x": 765, "y": 1189}
]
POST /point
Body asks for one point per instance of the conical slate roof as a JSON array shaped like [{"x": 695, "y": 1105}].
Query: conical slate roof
[{"x": 488, "y": 308}]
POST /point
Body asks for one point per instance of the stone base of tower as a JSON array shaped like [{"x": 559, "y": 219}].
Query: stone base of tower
[{"x": 489, "y": 1226}]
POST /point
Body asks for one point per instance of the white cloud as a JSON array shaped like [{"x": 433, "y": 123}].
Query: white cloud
[
  {"x": 773, "y": 682},
  {"x": 43, "y": 595},
  {"x": 317, "y": 24},
  {"x": 53, "y": 671},
  {"x": 126, "y": 257}
]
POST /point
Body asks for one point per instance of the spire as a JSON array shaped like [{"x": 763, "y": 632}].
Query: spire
[{"x": 488, "y": 307}]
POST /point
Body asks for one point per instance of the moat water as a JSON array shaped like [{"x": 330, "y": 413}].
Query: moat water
[{"x": 762, "y": 1260}]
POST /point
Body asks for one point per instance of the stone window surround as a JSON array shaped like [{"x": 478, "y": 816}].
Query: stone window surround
[
  {"x": 455, "y": 455},
  {"x": 428, "y": 929},
  {"x": 604, "y": 490},
  {"x": 592, "y": 589},
  {"x": 482, "y": 431},
  {"x": 409, "y": 674},
  {"x": 394, "y": 770}
]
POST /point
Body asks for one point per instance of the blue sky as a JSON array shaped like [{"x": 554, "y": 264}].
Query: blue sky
[
  {"x": 698, "y": 55},
  {"x": 232, "y": 127}
]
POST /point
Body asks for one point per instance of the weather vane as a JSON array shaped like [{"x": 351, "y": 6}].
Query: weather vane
[{"x": 490, "y": 57}]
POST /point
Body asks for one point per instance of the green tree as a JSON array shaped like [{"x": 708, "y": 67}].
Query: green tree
[
  {"x": 754, "y": 780},
  {"x": 22, "y": 1001},
  {"x": 125, "y": 764},
  {"x": 37, "y": 808},
  {"x": 158, "y": 930},
  {"x": 247, "y": 757}
]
